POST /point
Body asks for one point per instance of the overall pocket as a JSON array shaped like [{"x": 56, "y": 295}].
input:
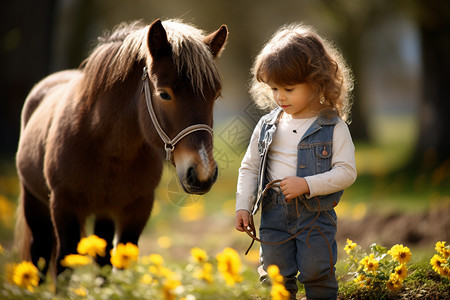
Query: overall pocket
[
  {"x": 323, "y": 156},
  {"x": 322, "y": 203},
  {"x": 331, "y": 216}
]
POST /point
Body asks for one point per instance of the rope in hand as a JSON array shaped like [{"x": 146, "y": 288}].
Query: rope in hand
[{"x": 251, "y": 230}]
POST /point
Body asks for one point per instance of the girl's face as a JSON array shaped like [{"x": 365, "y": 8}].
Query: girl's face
[{"x": 295, "y": 100}]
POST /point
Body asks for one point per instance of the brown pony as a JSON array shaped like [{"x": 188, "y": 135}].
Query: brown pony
[{"x": 93, "y": 140}]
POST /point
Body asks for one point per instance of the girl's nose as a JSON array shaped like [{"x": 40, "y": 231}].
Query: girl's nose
[{"x": 280, "y": 96}]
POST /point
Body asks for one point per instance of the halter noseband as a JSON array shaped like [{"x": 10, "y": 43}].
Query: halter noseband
[{"x": 169, "y": 144}]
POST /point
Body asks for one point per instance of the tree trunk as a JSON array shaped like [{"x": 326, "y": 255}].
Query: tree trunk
[
  {"x": 433, "y": 146},
  {"x": 26, "y": 31}
]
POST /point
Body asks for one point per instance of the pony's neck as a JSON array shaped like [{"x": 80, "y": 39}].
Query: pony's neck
[{"x": 114, "y": 116}]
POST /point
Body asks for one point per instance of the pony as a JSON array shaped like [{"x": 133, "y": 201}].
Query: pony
[{"x": 93, "y": 140}]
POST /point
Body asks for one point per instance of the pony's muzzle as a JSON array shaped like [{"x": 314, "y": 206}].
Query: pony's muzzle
[{"x": 193, "y": 183}]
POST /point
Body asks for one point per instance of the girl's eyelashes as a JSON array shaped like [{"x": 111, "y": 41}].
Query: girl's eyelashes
[{"x": 287, "y": 89}]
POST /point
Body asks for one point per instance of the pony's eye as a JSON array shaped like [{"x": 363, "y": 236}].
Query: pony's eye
[{"x": 164, "y": 95}]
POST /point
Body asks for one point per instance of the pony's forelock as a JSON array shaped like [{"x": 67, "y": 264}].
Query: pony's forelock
[{"x": 191, "y": 55}]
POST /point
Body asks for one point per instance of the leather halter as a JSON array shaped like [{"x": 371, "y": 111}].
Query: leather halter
[{"x": 169, "y": 144}]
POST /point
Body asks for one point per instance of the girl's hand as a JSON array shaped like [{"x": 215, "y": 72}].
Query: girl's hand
[
  {"x": 242, "y": 219},
  {"x": 293, "y": 186}
]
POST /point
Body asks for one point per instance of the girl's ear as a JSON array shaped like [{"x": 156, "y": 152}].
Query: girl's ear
[{"x": 216, "y": 40}]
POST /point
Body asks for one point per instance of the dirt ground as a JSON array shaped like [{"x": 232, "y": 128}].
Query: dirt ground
[{"x": 421, "y": 229}]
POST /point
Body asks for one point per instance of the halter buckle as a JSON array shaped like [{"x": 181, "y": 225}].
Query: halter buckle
[
  {"x": 169, "y": 149},
  {"x": 145, "y": 73}
]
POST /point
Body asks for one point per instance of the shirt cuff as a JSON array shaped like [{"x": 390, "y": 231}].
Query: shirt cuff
[
  {"x": 245, "y": 204},
  {"x": 311, "y": 188}
]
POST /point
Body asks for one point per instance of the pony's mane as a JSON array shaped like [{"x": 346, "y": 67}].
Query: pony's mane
[{"x": 117, "y": 52}]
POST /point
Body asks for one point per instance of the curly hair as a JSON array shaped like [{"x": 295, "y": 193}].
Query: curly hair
[{"x": 297, "y": 54}]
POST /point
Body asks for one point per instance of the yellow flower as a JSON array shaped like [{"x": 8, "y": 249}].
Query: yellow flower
[
  {"x": 146, "y": 279},
  {"x": 372, "y": 264},
  {"x": 442, "y": 249},
  {"x": 229, "y": 265},
  {"x": 446, "y": 272},
  {"x": 156, "y": 259},
  {"x": 75, "y": 260},
  {"x": 438, "y": 263},
  {"x": 361, "y": 277},
  {"x": 156, "y": 268},
  {"x": 204, "y": 273},
  {"x": 92, "y": 246},
  {"x": 26, "y": 275},
  {"x": 199, "y": 255},
  {"x": 169, "y": 287},
  {"x": 369, "y": 264},
  {"x": 6, "y": 210},
  {"x": 1, "y": 249},
  {"x": 394, "y": 283},
  {"x": 124, "y": 255},
  {"x": 82, "y": 292},
  {"x": 274, "y": 274},
  {"x": 362, "y": 280},
  {"x": 401, "y": 271},
  {"x": 159, "y": 271},
  {"x": 400, "y": 253},
  {"x": 349, "y": 246},
  {"x": 279, "y": 292},
  {"x": 439, "y": 246}
]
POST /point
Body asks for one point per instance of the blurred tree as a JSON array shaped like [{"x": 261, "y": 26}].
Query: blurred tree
[
  {"x": 351, "y": 22},
  {"x": 37, "y": 38},
  {"x": 25, "y": 36},
  {"x": 70, "y": 41},
  {"x": 351, "y": 19},
  {"x": 433, "y": 146},
  {"x": 432, "y": 17}
]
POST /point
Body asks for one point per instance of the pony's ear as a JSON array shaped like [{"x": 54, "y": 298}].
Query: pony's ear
[
  {"x": 216, "y": 40},
  {"x": 157, "y": 40}
]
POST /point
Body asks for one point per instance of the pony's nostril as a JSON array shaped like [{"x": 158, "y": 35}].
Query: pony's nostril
[
  {"x": 191, "y": 176},
  {"x": 216, "y": 174}
]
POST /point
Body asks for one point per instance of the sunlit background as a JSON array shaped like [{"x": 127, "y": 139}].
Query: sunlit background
[{"x": 398, "y": 51}]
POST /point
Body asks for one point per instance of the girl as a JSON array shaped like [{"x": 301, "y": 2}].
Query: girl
[{"x": 305, "y": 142}]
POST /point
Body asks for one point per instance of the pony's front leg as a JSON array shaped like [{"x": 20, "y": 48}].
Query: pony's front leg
[
  {"x": 67, "y": 226},
  {"x": 104, "y": 228},
  {"x": 132, "y": 220}
]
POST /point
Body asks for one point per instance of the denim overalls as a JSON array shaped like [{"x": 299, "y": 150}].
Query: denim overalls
[{"x": 313, "y": 252}]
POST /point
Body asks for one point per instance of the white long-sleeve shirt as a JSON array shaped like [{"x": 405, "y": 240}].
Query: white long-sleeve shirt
[{"x": 282, "y": 161}]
